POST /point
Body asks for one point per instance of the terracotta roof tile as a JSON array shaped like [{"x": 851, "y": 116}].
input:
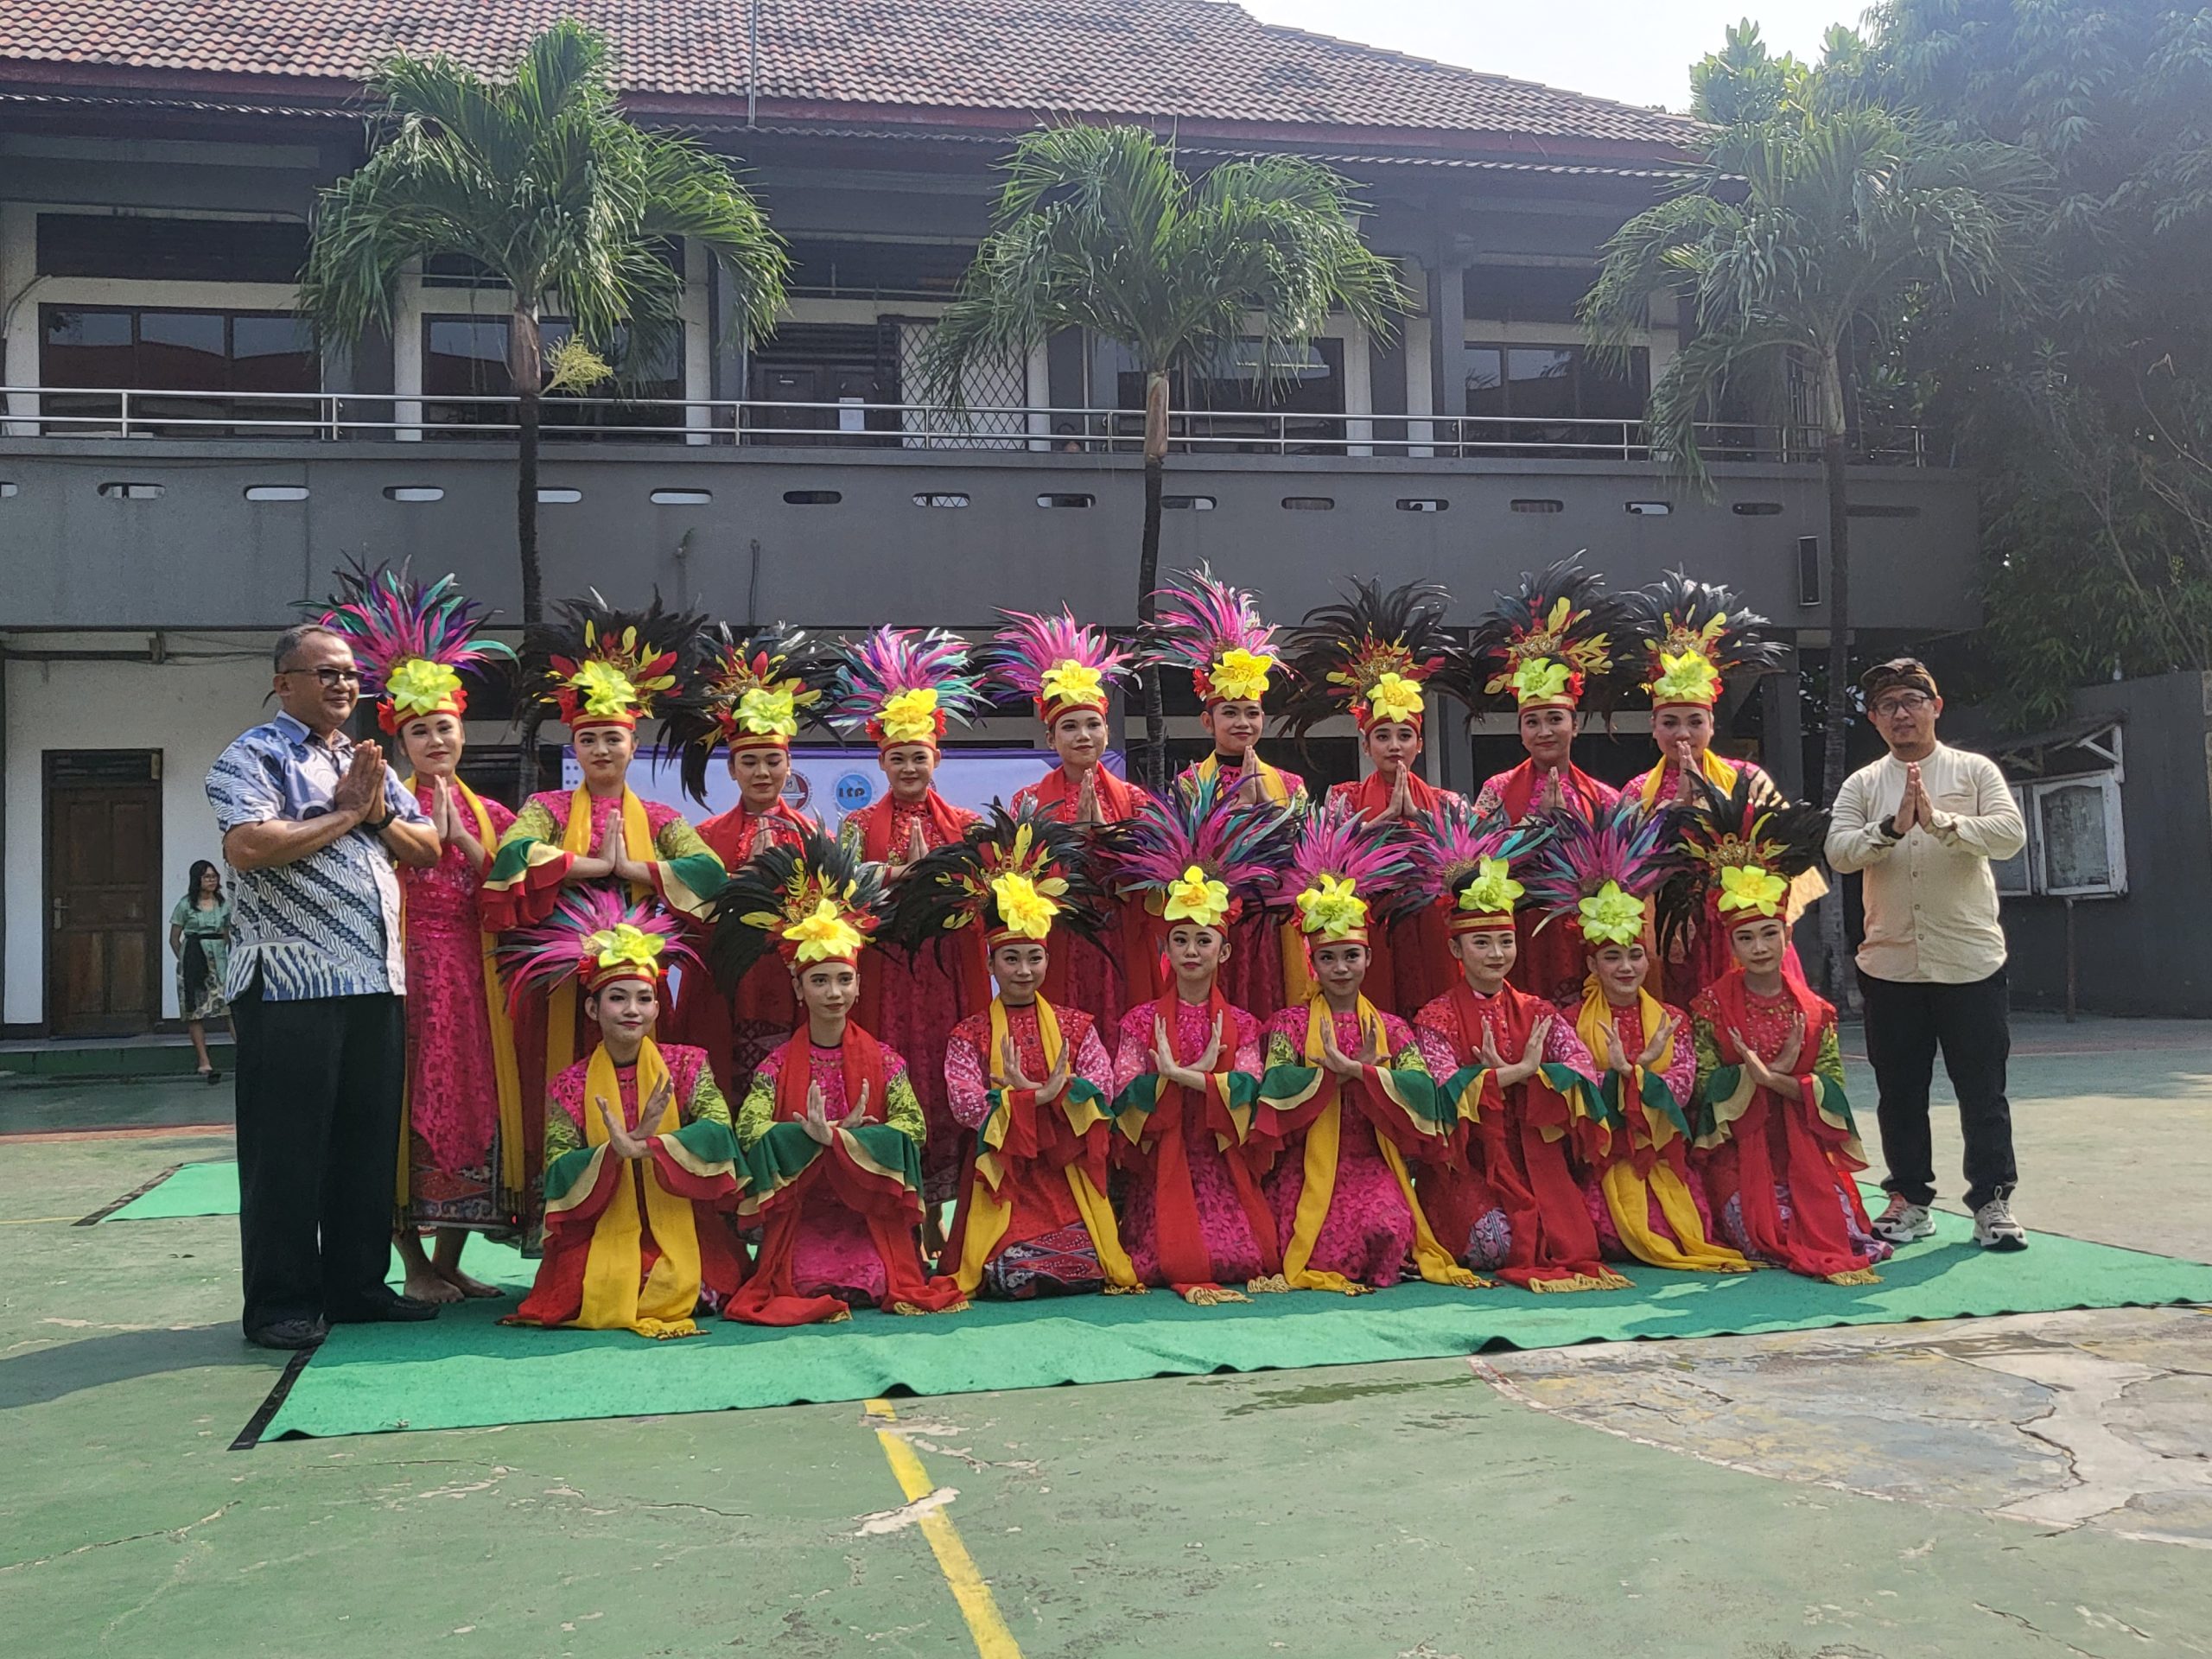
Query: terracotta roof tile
[{"x": 1200, "y": 61}]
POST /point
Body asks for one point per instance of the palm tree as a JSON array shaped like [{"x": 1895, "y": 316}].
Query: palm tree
[
  {"x": 1791, "y": 232},
  {"x": 1097, "y": 228},
  {"x": 541, "y": 180}
]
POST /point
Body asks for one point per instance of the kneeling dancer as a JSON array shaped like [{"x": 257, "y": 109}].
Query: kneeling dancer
[
  {"x": 830, "y": 1124},
  {"x": 1594, "y": 881},
  {"x": 641, "y": 1168},
  {"x": 1026, "y": 1078},
  {"x": 1186, "y": 1065},
  {"x": 1778, "y": 1151},
  {"x": 1522, "y": 1080},
  {"x": 1347, "y": 1098}
]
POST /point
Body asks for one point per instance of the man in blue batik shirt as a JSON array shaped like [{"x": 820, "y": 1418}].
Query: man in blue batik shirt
[{"x": 312, "y": 822}]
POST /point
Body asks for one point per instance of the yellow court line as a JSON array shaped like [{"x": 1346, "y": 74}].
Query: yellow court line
[
  {"x": 985, "y": 1625},
  {"x": 34, "y": 1221}
]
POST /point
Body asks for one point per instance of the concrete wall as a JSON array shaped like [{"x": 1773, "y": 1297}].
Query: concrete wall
[
  {"x": 2142, "y": 954},
  {"x": 202, "y": 556},
  {"x": 187, "y": 711}
]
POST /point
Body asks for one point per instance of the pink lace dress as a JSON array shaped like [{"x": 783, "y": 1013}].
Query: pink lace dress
[{"x": 453, "y": 1095}]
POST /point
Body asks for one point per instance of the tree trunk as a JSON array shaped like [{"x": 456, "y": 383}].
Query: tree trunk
[
  {"x": 1836, "y": 719},
  {"x": 525, "y": 363},
  {"x": 1153, "y": 771}
]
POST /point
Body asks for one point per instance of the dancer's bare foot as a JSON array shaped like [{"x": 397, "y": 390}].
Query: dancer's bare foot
[
  {"x": 428, "y": 1285},
  {"x": 454, "y": 1277}
]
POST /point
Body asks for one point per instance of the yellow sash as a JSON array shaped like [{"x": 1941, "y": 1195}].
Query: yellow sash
[
  {"x": 575, "y": 839},
  {"x": 1322, "y": 1139},
  {"x": 1717, "y": 772},
  {"x": 504, "y": 1073},
  {"x": 1629, "y": 1195},
  {"x": 989, "y": 1216},
  {"x": 615, "y": 1299}
]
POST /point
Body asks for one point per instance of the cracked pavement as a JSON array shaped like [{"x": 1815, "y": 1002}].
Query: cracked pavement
[{"x": 2006, "y": 1487}]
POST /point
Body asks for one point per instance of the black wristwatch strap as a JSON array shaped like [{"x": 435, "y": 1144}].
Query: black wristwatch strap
[{"x": 381, "y": 824}]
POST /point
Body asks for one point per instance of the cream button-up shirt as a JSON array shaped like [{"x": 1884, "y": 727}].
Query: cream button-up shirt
[{"x": 1930, "y": 900}]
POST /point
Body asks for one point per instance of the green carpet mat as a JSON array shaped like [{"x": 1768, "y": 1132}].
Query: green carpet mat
[
  {"x": 464, "y": 1370},
  {"x": 210, "y": 1189}
]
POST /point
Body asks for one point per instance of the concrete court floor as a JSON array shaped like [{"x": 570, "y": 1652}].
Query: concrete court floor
[{"x": 2001, "y": 1487}]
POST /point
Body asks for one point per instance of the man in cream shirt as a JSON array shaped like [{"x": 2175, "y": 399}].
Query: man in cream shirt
[{"x": 1922, "y": 823}]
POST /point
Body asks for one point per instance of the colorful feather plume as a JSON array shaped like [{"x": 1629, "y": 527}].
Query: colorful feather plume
[
  {"x": 595, "y": 663},
  {"x": 1458, "y": 856},
  {"x": 411, "y": 642},
  {"x": 1551, "y": 643},
  {"x": 1055, "y": 662},
  {"x": 1598, "y": 874},
  {"x": 1197, "y": 855},
  {"x": 1024, "y": 874},
  {"x": 1213, "y": 630},
  {"x": 748, "y": 689},
  {"x": 1343, "y": 870},
  {"x": 1695, "y": 635},
  {"x": 1745, "y": 847},
  {"x": 900, "y": 685},
  {"x": 1372, "y": 655},
  {"x": 818, "y": 901},
  {"x": 593, "y": 932}
]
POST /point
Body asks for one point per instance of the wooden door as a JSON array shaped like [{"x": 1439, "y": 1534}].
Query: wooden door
[{"x": 104, "y": 945}]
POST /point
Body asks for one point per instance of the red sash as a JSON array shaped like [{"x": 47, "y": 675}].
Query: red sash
[
  {"x": 1578, "y": 788},
  {"x": 1372, "y": 795},
  {"x": 1178, "y": 1238},
  {"x": 1116, "y": 800},
  {"x": 947, "y": 823}
]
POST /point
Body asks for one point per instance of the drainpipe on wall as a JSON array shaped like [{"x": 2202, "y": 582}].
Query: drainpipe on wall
[{"x": 751, "y": 62}]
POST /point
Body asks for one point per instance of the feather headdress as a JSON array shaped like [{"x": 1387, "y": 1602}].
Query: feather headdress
[
  {"x": 1746, "y": 846},
  {"x": 596, "y": 935},
  {"x": 1695, "y": 635},
  {"x": 1373, "y": 655},
  {"x": 1055, "y": 662},
  {"x": 1599, "y": 875},
  {"x": 1015, "y": 877},
  {"x": 1550, "y": 644},
  {"x": 750, "y": 691},
  {"x": 1342, "y": 867},
  {"x": 1464, "y": 865},
  {"x": 899, "y": 685},
  {"x": 1196, "y": 857},
  {"x": 1215, "y": 631},
  {"x": 818, "y": 901},
  {"x": 411, "y": 642},
  {"x": 601, "y": 666}
]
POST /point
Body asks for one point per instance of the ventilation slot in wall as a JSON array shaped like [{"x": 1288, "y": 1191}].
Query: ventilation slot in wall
[
  {"x": 1808, "y": 569},
  {"x": 275, "y": 492},
  {"x": 1755, "y": 509},
  {"x": 1066, "y": 500},
  {"x": 416, "y": 492},
  {"x": 1537, "y": 503},
  {"x": 812, "y": 498},
  {"x": 1309, "y": 503},
  {"x": 1881, "y": 509},
  {"x": 123, "y": 491},
  {"x": 7, "y": 492},
  {"x": 1650, "y": 509},
  {"x": 557, "y": 497},
  {"x": 947, "y": 499},
  {"x": 1423, "y": 503},
  {"x": 1187, "y": 503},
  {"x": 683, "y": 498}
]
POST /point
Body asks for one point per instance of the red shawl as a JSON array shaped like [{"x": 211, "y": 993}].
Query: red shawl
[
  {"x": 1116, "y": 800},
  {"x": 946, "y": 825},
  {"x": 1578, "y": 787}
]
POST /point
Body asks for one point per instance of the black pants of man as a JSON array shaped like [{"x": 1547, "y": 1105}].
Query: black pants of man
[
  {"x": 1905, "y": 1025},
  {"x": 318, "y": 1086}
]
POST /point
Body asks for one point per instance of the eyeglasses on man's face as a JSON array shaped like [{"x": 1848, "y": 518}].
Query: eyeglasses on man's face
[
  {"x": 1902, "y": 702},
  {"x": 329, "y": 676}
]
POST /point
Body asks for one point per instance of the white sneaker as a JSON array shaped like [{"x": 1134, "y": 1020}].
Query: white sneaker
[
  {"x": 1994, "y": 1228},
  {"x": 1903, "y": 1221}
]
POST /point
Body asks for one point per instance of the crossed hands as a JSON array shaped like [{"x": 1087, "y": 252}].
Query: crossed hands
[
  {"x": 1616, "y": 1057},
  {"x": 1349, "y": 1066},
  {"x": 816, "y": 1120},
  {"x": 1532, "y": 1055},
  {"x": 1055, "y": 1081},
  {"x": 1780, "y": 1075},
  {"x": 631, "y": 1145},
  {"x": 1164, "y": 1063}
]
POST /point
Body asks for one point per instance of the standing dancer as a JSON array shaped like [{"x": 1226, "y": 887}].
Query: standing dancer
[
  {"x": 1347, "y": 1102},
  {"x": 1186, "y": 1065},
  {"x": 1778, "y": 1149},
  {"x": 1521, "y": 1081},
  {"x": 604, "y": 672},
  {"x": 1215, "y": 631},
  {"x": 1373, "y": 657},
  {"x": 1596, "y": 880},
  {"x": 1696, "y": 638},
  {"x": 753, "y": 692},
  {"x": 461, "y": 1166},
  {"x": 1551, "y": 646},
  {"x": 830, "y": 1123},
  {"x": 641, "y": 1171},
  {"x": 1068, "y": 671},
  {"x": 1027, "y": 1080},
  {"x": 897, "y": 688}
]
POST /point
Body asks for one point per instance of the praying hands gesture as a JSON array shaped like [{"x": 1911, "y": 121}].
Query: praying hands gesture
[
  {"x": 1402, "y": 798},
  {"x": 1055, "y": 1082},
  {"x": 614, "y": 847},
  {"x": 764, "y": 835},
  {"x": 1251, "y": 788},
  {"x": 454, "y": 829},
  {"x": 1554, "y": 797},
  {"x": 1685, "y": 766},
  {"x": 1914, "y": 808},
  {"x": 1164, "y": 1061},
  {"x": 360, "y": 793},
  {"x": 1349, "y": 1066},
  {"x": 917, "y": 846},
  {"x": 630, "y": 1145},
  {"x": 1780, "y": 1075},
  {"x": 1086, "y": 799},
  {"x": 1521, "y": 1070}
]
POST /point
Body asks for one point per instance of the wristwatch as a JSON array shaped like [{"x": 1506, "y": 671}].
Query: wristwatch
[{"x": 381, "y": 824}]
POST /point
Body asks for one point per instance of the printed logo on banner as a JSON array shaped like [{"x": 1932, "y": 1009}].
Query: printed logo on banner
[
  {"x": 853, "y": 791},
  {"x": 797, "y": 790}
]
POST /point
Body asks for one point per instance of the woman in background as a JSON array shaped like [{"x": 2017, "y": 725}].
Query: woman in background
[{"x": 199, "y": 939}]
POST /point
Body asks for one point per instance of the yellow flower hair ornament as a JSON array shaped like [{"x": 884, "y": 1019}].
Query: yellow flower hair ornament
[
  {"x": 1197, "y": 898},
  {"x": 1025, "y": 910},
  {"x": 825, "y": 934},
  {"x": 419, "y": 686},
  {"x": 768, "y": 711},
  {"x": 625, "y": 944},
  {"x": 1493, "y": 892},
  {"x": 1610, "y": 915},
  {"x": 1332, "y": 908},
  {"x": 603, "y": 688},
  {"x": 1392, "y": 697},
  {"x": 1684, "y": 678},
  {"x": 1748, "y": 887},
  {"x": 1241, "y": 676},
  {"x": 911, "y": 716},
  {"x": 1541, "y": 680},
  {"x": 1074, "y": 684}
]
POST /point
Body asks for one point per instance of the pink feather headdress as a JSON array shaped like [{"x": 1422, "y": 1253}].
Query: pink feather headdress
[
  {"x": 597, "y": 934},
  {"x": 412, "y": 641},
  {"x": 1215, "y": 631},
  {"x": 1599, "y": 877},
  {"x": 898, "y": 685},
  {"x": 1197, "y": 857},
  {"x": 1341, "y": 869},
  {"x": 1465, "y": 864},
  {"x": 1055, "y": 662}
]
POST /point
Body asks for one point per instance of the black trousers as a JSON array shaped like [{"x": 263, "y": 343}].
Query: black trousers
[
  {"x": 319, "y": 1087},
  {"x": 1905, "y": 1025}
]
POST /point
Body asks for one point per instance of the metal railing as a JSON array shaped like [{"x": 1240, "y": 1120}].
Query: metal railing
[{"x": 91, "y": 413}]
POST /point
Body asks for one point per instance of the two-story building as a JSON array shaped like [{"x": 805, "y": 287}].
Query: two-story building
[{"x": 181, "y": 460}]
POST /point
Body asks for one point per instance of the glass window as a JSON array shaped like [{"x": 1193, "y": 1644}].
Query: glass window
[
  {"x": 467, "y": 357},
  {"x": 192, "y": 357},
  {"x": 1540, "y": 381}
]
